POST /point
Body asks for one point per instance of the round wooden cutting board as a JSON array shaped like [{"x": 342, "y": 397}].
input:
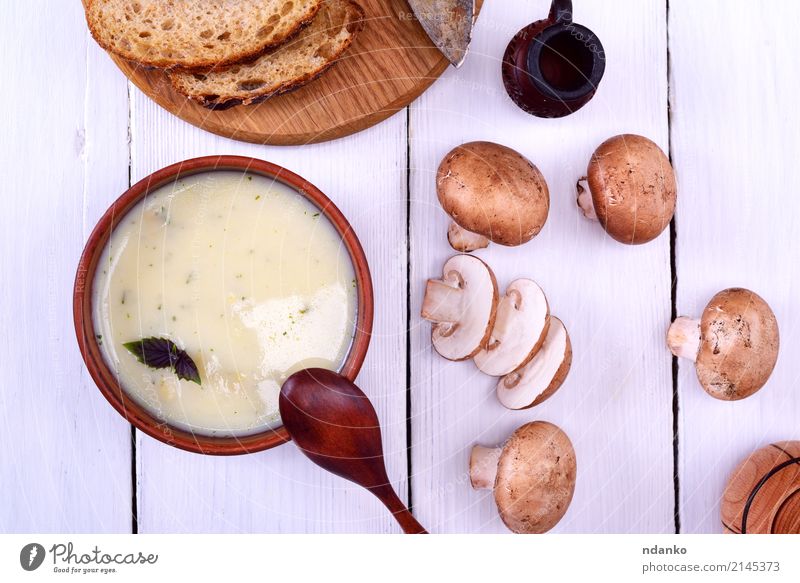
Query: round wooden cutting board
[{"x": 391, "y": 62}]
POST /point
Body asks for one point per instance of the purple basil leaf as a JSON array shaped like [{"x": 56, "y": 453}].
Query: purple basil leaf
[
  {"x": 164, "y": 353},
  {"x": 186, "y": 369},
  {"x": 154, "y": 352}
]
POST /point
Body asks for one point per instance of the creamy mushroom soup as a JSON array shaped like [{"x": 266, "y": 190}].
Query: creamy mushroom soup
[{"x": 239, "y": 274}]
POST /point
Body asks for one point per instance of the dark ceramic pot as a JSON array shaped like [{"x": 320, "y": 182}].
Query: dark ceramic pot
[{"x": 552, "y": 67}]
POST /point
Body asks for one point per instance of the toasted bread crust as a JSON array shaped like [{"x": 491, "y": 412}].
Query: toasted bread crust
[
  {"x": 198, "y": 61},
  {"x": 353, "y": 24}
]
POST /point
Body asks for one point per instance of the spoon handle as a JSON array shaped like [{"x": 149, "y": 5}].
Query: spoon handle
[{"x": 401, "y": 514}]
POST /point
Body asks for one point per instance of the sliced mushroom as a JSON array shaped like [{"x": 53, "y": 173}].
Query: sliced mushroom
[
  {"x": 523, "y": 318},
  {"x": 462, "y": 305},
  {"x": 491, "y": 192},
  {"x": 734, "y": 344},
  {"x": 532, "y": 475},
  {"x": 538, "y": 380},
  {"x": 630, "y": 188}
]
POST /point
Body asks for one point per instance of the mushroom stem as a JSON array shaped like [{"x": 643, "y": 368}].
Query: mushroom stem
[
  {"x": 683, "y": 338},
  {"x": 442, "y": 302},
  {"x": 585, "y": 199},
  {"x": 503, "y": 323},
  {"x": 483, "y": 466},
  {"x": 465, "y": 241}
]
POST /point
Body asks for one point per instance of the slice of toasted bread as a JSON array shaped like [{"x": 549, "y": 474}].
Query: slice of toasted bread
[
  {"x": 291, "y": 65},
  {"x": 195, "y": 34}
]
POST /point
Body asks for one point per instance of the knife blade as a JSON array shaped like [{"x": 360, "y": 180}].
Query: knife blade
[{"x": 448, "y": 23}]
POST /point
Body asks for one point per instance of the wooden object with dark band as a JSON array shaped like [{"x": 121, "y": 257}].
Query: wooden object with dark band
[{"x": 763, "y": 493}]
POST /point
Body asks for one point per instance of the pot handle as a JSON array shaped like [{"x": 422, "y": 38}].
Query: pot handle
[{"x": 561, "y": 11}]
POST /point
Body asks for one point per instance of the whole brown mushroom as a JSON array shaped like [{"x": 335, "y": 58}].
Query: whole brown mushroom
[
  {"x": 533, "y": 476},
  {"x": 630, "y": 188},
  {"x": 734, "y": 344},
  {"x": 492, "y": 193}
]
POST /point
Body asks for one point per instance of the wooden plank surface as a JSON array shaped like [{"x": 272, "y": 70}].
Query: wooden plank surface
[
  {"x": 616, "y": 404},
  {"x": 279, "y": 490},
  {"x": 736, "y": 148},
  {"x": 64, "y": 453}
]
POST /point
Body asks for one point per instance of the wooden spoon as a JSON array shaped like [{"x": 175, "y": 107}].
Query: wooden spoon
[{"x": 333, "y": 422}]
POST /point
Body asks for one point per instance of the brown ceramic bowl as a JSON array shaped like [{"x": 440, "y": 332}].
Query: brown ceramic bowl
[{"x": 104, "y": 376}]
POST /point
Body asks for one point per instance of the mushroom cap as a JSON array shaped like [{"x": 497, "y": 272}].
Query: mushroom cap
[
  {"x": 535, "y": 478},
  {"x": 739, "y": 343},
  {"x": 494, "y": 191},
  {"x": 520, "y": 327},
  {"x": 538, "y": 380},
  {"x": 476, "y": 308},
  {"x": 633, "y": 188}
]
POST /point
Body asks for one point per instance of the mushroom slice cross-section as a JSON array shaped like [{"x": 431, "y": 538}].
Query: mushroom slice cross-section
[
  {"x": 533, "y": 476},
  {"x": 523, "y": 318},
  {"x": 538, "y": 380},
  {"x": 734, "y": 344},
  {"x": 462, "y": 306}
]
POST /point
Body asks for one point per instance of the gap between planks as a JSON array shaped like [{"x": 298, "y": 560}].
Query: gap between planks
[
  {"x": 673, "y": 237},
  {"x": 409, "y": 493},
  {"x": 134, "y": 473}
]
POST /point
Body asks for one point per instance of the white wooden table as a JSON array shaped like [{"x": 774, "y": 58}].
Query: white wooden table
[{"x": 713, "y": 82}]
